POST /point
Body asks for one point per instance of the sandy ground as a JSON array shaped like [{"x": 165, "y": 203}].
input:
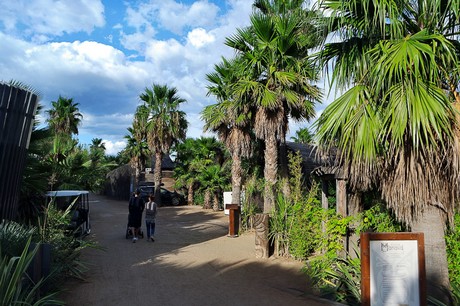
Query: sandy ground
[{"x": 191, "y": 262}]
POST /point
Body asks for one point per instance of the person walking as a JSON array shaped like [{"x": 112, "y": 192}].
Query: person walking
[
  {"x": 136, "y": 207},
  {"x": 150, "y": 216}
]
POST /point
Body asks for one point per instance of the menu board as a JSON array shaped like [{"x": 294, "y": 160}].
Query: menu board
[{"x": 392, "y": 269}]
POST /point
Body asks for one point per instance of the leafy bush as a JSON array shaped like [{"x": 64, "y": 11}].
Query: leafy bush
[
  {"x": 279, "y": 225},
  {"x": 252, "y": 195},
  {"x": 377, "y": 219},
  {"x": 453, "y": 252},
  {"x": 305, "y": 229},
  {"x": 53, "y": 229},
  {"x": 336, "y": 278}
]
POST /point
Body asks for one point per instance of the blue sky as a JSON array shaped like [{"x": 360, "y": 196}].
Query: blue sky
[{"x": 104, "y": 53}]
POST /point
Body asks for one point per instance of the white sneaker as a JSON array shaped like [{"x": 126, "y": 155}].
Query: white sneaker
[{"x": 134, "y": 239}]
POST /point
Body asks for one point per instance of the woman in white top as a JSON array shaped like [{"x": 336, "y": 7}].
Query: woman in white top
[{"x": 150, "y": 216}]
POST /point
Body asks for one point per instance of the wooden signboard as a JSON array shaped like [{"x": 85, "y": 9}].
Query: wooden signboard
[{"x": 393, "y": 269}]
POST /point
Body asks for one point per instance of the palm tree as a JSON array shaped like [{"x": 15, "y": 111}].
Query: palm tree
[
  {"x": 167, "y": 125},
  {"x": 97, "y": 149},
  {"x": 229, "y": 119},
  {"x": 137, "y": 148},
  {"x": 395, "y": 127},
  {"x": 64, "y": 116},
  {"x": 185, "y": 171},
  {"x": 214, "y": 179},
  {"x": 278, "y": 80},
  {"x": 63, "y": 119},
  {"x": 303, "y": 135},
  {"x": 194, "y": 156}
]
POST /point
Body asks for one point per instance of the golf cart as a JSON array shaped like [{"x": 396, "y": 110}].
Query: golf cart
[{"x": 78, "y": 202}]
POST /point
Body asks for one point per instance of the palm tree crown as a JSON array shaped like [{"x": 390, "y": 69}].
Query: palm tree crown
[
  {"x": 166, "y": 123},
  {"x": 64, "y": 116}
]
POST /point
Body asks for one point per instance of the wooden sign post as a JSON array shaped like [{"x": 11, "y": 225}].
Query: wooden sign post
[{"x": 393, "y": 269}]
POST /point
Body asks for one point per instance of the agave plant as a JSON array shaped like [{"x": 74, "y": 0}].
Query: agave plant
[{"x": 14, "y": 236}]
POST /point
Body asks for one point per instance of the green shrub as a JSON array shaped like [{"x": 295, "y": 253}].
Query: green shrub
[
  {"x": 377, "y": 219},
  {"x": 66, "y": 247},
  {"x": 306, "y": 230},
  {"x": 336, "y": 278},
  {"x": 280, "y": 220},
  {"x": 453, "y": 251},
  {"x": 252, "y": 195}
]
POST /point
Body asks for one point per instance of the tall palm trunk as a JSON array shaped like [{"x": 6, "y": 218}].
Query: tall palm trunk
[
  {"x": 157, "y": 176},
  {"x": 236, "y": 179},
  {"x": 284, "y": 169},
  {"x": 431, "y": 223},
  {"x": 270, "y": 172},
  {"x": 137, "y": 172},
  {"x": 215, "y": 202},
  {"x": 190, "y": 194},
  {"x": 207, "y": 199}
]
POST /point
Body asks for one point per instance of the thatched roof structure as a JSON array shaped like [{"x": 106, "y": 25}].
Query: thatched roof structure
[
  {"x": 118, "y": 182},
  {"x": 313, "y": 162},
  {"x": 166, "y": 163}
]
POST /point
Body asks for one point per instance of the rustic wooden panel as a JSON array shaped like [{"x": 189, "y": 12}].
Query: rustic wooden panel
[{"x": 17, "y": 110}]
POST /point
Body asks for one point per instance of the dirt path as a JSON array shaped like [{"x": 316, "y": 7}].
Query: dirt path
[{"x": 192, "y": 262}]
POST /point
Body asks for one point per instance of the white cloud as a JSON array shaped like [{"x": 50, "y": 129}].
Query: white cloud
[
  {"x": 137, "y": 41},
  {"x": 171, "y": 15},
  {"x": 112, "y": 148},
  {"x": 199, "y": 37},
  {"x": 39, "y": 19}
]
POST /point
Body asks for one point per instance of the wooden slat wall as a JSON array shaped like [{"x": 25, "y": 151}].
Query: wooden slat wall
[{"x": 17, "y": 110}]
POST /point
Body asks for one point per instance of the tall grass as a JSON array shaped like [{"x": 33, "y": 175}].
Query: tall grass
[{"x": 16, "y": 287}]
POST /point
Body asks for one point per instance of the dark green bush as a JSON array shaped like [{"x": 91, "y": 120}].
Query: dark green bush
[{"x": 453, "y": 251}]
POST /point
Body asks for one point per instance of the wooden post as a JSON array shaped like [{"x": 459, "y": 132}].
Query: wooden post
[
  {"x": 261, "y": 237},
  {"x": 341, "y": 187},
  {"x": 324, "y": 188},
  {"x": 324, "y": 203},
  {"x": 234, "y": 217},
  {"x": 341, "y": 190},
  {"x": 355, "y": 206}
]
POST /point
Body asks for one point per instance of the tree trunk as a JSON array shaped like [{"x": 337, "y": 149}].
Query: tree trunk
[
  {"x": 157, "y": 176},
  {"x": 432, "y": 224},
  {"x": 207, "y": 199},
  {"x": 190, "y": 194},
  {"x": 284, "y": 169},
  {"x": 236, "y": 179},
  {"x": 270, "y": 172},
  {"x": 137, "y": 172},
  {"x": 215, "y": 205}
]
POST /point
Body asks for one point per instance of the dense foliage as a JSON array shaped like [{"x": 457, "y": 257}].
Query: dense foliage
[
  {"x": 453, "y": 252},
  {"x": 18, "y": 246}
]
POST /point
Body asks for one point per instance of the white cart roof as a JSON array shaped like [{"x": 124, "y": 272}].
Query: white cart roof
[{"x": 66, "y": 193}]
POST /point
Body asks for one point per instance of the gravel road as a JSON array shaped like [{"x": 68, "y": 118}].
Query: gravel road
[{"x": 191, "y": 262}]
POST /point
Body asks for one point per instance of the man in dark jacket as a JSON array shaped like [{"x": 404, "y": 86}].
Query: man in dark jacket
[{"x": 136, "y": 207}]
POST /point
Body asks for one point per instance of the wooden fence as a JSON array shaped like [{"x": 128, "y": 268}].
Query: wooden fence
[{"x": 17, "y": 110}]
